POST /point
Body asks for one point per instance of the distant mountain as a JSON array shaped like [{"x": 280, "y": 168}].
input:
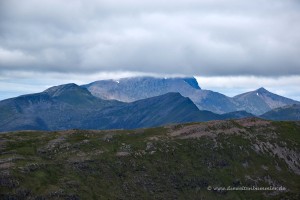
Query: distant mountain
[
  {"x": 60, "y": 107},
  {"x": 154, "y": 111},
  {"x": 291, "y": 112},
  {"x": 75, "y": 95},
  {"x": 71, "y": 106},
  {"x": 261, "y": 101},
  {"x": 137, "y": 88}
]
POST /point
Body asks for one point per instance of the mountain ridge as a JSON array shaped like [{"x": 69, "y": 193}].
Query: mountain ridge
[
  {"x": 290, "y": 112},
  {"x": 71, "y": 106},
  {"x": 136, "y": 88},
  {"x": 131, "y": 89}
]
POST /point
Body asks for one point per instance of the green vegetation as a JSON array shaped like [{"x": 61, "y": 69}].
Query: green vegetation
[{"x": 174, "y": 162}]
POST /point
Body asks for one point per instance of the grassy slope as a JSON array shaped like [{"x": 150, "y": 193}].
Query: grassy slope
[{"x": 152, "y": 163}]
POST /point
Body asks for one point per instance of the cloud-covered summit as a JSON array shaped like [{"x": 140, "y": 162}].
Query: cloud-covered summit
[{"x": 191, "y": 37}]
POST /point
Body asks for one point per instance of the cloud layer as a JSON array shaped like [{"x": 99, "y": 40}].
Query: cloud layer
[{"x": 190, "y": 37}]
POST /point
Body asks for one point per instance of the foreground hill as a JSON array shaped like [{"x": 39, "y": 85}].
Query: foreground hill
[{"x": 187, "y": 161}]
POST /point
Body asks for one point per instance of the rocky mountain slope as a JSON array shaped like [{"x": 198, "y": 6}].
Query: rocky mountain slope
[{"x": 184, "y": 161}]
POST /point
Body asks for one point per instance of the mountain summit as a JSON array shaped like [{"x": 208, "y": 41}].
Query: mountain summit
[
  {"x": 262, "y": 90},
  {"x": 261, "y": 100},
  {"x": 137, "y": 88}
]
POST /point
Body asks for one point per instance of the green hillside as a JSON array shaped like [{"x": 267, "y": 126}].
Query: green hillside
[{"x": 189, "y": 161}]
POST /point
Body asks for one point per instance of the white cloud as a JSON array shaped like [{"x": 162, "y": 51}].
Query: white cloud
[
  {"x": 227, "y": 37},
  {"x": 234, "y": 45},
  {"x": 14, "y": 58},
  {"x": 15, "y": 83}
]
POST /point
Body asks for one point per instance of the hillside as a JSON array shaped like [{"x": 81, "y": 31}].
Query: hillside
[
  {"x": 156, "y": 111},
  {"x": 173, "y": 162},
  {"x": 291, "y": 112}
]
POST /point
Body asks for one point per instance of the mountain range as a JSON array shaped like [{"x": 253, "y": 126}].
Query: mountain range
[
  {"x": 136, "y": 103},
  {"x": 131, "y": 89}
]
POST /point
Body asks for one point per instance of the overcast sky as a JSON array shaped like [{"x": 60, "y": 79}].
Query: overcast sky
[{"x": 231, "y": 45}]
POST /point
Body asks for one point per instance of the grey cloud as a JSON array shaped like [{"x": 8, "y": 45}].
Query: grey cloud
[{"x": 210, "y": 37}]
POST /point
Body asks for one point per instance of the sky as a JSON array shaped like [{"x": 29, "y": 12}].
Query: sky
[{"x": 230, "y": 46}]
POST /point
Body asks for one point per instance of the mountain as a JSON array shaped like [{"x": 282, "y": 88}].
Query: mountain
[
  {"x": 59, "y": 107},
  {"x": 72, "y": 94},
  {"x": 290, "y": 112},
  {"x": 137, "y": 88},
  {"x": 260, "y": 101},
  {"x": 71, "y": 106},
  {"x": 155, "y": 111},
  {"x": 183, "y": 161}
]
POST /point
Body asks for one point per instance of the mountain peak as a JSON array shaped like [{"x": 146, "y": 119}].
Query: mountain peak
[
  {"x": 261, "y": 100},
  {"x": 135, "y": 88},
  {"x": 60, "y": 89},
  {"x": 192, "y": 81},
  {"x": 262, "y": 90},
  {"x": 189, "y": 80}
]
